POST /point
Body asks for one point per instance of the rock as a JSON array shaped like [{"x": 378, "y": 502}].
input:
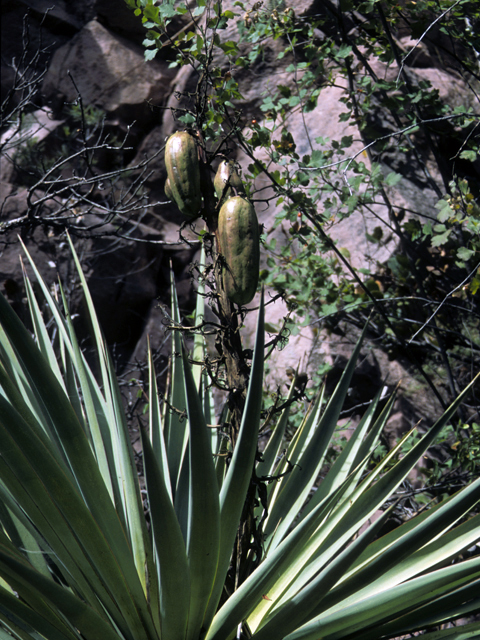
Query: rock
[
  {"x": 155, "y": 332},
  {"x": 181, "y": 86},
  {"x": 15, "y": 205},
  {"x": 262, "y": 76},
  {"x": 35, "y": 127},
  {"x": 415, "y": 53},
  {"x": 108, "y": 72},
  {"x": 55, "y": 17},
  {"x": 27, "y": 42},
  {"x": 5, "y": 190},
  {"x": 6, "y": 171},
  {"x": 123, "y": 285},
  {"x": 118, "y": 17},
  {"x": 349, "y": 233},
  {"x": 99, "y": 42}
]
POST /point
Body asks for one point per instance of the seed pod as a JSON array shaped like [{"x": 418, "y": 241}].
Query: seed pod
[
  {"x": 227, "y": 173},
  {"x": 239, "y": 244},
  {"x": 183, "y": 170},
  {"x": 168, "y": 189}
]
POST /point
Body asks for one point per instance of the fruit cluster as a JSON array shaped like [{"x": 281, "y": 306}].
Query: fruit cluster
[{"x": 236, "y": 229}]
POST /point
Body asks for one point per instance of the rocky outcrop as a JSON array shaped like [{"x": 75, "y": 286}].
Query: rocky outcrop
[
  {"x": 94, "y": 53},
  {"x": 108, "y": 72}
]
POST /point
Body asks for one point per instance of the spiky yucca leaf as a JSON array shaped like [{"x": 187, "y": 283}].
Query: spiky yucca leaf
[{"x": 78, "y": 562}]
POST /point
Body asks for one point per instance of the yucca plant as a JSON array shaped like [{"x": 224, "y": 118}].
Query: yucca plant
[{"x": 78, "y": 561}]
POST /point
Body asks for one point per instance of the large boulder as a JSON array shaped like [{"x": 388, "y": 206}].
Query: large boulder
[{"x": 109, "y": 72}]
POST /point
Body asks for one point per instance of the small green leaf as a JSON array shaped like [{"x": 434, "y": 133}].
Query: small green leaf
[
  {"x": 150, "y": 54},
  {"x": 393, "y": 178},
  {"x": 471, "y": 156}
]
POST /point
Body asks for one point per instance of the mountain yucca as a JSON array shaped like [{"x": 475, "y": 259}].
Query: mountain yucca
[{"x": 78, "y": 561}]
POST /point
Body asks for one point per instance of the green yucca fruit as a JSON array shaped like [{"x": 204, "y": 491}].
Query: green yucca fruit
[
  {"x": 239, "y": 244},
  {"x": 227, "y": 173},
  {"x": 183, "y": 170}
]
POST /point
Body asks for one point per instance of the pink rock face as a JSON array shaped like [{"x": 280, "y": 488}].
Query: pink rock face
[{"x": 108, "y": 71}]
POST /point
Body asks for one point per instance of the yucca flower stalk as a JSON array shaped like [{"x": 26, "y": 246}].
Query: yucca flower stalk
[{"x": 77, "y": 560}]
